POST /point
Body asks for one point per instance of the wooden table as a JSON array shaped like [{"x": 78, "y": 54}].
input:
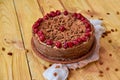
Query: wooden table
[{"x": 17, "y": 60}]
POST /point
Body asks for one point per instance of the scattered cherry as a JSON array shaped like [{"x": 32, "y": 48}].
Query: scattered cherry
[
  {"x": 58, "y": 44},
  {"x": 65, "y": 12},
  {"x": 49, "y": 42},
  {"x": 62, "y": 28}
]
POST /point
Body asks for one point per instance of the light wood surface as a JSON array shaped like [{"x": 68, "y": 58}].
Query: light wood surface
[{"x": 18, "y": 61}]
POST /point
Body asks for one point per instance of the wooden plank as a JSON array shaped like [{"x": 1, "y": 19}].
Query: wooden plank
[
  {"x": 99, "y": 9},
  {"x": 13, "y": 62},
  {"x": 28, "y": 12}
]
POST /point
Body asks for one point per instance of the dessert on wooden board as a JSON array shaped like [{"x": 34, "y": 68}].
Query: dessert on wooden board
[{"x": 63, "y": 37}]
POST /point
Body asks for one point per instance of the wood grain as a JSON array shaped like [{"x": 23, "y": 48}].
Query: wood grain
[{"x": 13, "y": 62}]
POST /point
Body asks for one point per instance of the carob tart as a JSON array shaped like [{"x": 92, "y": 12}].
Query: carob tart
[{"x": 63, "y": 37}]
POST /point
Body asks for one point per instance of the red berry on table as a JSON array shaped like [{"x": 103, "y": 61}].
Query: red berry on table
[
  {"x": 58, "y": 12},
  {"x": 70, "y": 44},
  {"x": 58, "y": 44},
  {"x": 42, "y": 38},
  {"x": 62, "y": 28},
  {"x": 49, "y": 42},
  {"x": 65, "y": 45},
  {"x": 65, "y": 12}
]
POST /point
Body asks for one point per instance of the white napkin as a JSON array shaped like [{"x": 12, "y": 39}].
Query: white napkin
[{"x": 62, "y": 72}]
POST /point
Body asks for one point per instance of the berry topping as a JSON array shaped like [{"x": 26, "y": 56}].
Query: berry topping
[
  {"x": 36, "y": 24},
  {"x": 62, "y": 28},
  {"x": 42, "y": 38},
  {"x": 79, "y": 16},
  {"x": 79, "y": 40},
  {"x": 49, "y": 42},
  {"x": 35, "y": 30},
  {"x": 88, "y": 29},
  {"x": 75, "y": 42},
  {"x": 87, "y": 34},
  {"x": 65, "y": 12},
  {"x": 65, "y": 45},
  {"x": 70, "y": 44},
  {"x": 58, "y": 12},
  {"x": 75, "y": 15},
  {"x": 87, "y": 25},
  {"x": 52, "y": 14},
  {"x": 84, "y": 39},
  {"x": 40, "y": 33},
  {"x": 58, "y": 44},
  {"x": 40, "y": 20},
  {"x": 45, "y": 17}
]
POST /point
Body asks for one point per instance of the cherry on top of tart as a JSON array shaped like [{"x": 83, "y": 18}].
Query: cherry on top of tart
[{"x": 62, "y": 29}]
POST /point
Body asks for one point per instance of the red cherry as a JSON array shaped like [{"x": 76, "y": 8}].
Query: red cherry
[
  {"x": 58, "y": 12},
  {"x": 84, "y": 39},
  {"x": 82, "y": 18},
  {"x": 42, "y": 38},
  {"x": 75, "y": 42},
  {"x": 79, "y": 16},
  {"x": 35, "y": 30},
  {"x": 49, "y": 42},
  {"x": 35, "y": 25},
  {"x": 58, "y": 44},
  {"x": 40, "y": 33},
  {"x": 87, "y": 34},
  {"x": 87, "y": 25},
  {"x": 70, "y": 44},
  {"x": 65, "y": 45},
  {"x": 65, "y": 12},
  {"x": 62, "y": 28},
  {"x": 52, "y": 14},
  {"x": 45, "y": 17},
  {"x": 79, "y": 40},
  {"x": 74, "y": 15},
  {"x": 88, "y": 29},
  {"x": 39, "y": 20}
]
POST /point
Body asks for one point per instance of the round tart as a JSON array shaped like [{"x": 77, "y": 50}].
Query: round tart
[{"x": 63, "y": 37}]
